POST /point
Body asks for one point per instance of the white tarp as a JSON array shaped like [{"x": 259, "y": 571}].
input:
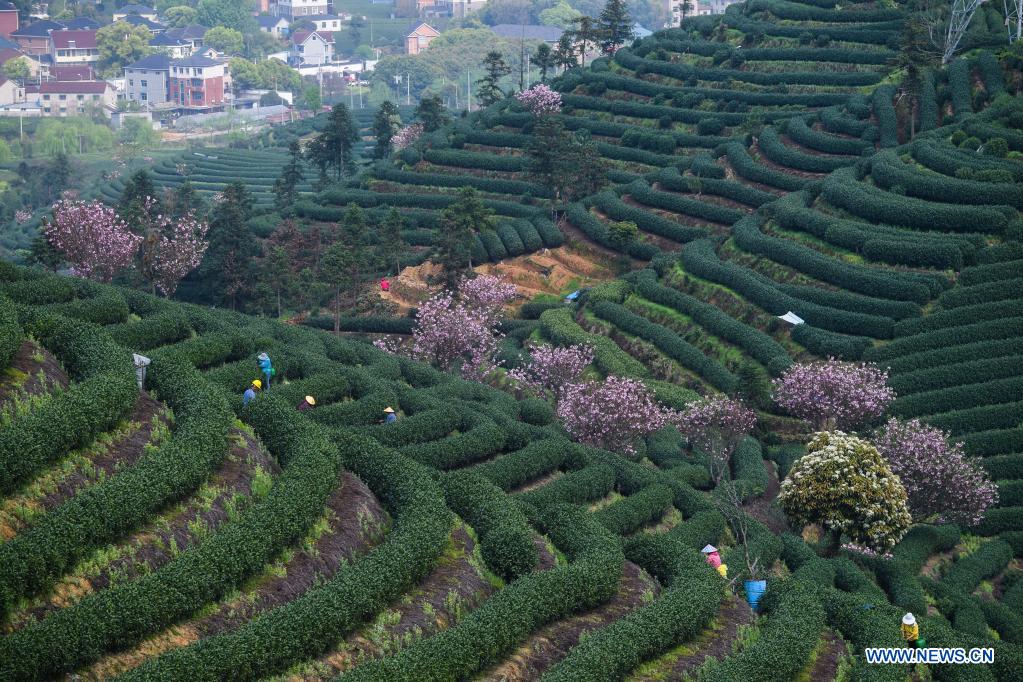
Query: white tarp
[{"x": 791, "y": 318}]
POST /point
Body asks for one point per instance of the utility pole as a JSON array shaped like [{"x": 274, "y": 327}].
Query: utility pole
[
  {"x": 468, "y": 91},
  {"x": 408, "y": 89},
  {"x": 1014, "y": 19}
]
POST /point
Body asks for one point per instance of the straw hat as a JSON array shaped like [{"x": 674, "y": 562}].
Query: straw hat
[
  {"x": 709, "y": 549},
  {"x": 909, "y": 619},
  {"x": 262, "y": 356},
  {"x": 311, "y": 400},
  {"x": 388, "y": 409},
  {"x": 257, "y": 384}
]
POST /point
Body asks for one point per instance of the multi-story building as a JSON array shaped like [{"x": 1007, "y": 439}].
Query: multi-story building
[
  {"x": 8, "y": 18},
  {"x": 73, "y": 98},
  {"x": 291, "y": 9},
  {"x": 34, "y": 38},
  {"x": 147, "y": 81},
  {"x": 7, "y": 54},
  {"x": 459, "y": 9},
  {"x": 311, "y": 48},
  {"x": 419, "y": 39},
  {"x": 73, "y": 47},
  {"x": 197, "y": 82},
  {"x": 138, "y": 10}
]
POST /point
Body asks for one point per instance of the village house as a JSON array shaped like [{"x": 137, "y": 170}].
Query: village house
[{"x": 419, "y": 39}]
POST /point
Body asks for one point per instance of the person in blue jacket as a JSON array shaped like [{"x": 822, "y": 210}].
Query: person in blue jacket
[
  {"x": 266, "y": 367},
  {"x": 250, "y": 392},
  {"x": 389, "y": 415}
]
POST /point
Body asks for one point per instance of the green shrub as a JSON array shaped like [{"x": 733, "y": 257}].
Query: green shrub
[
  {"x": 774, "y": 149},
  {"x": 559, "y": 327}
]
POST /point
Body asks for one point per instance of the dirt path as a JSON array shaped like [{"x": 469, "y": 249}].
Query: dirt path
[
  {"x": 113, "y": 451},
  {"x": 553, "y": 642},
  {"x": 716, "y": 641},
  {"x": 33, "y": 371},
  {"x": 454, "y": 588},
  {"x": 830, "y": 651},
  {"x": 761, "y": 507}
]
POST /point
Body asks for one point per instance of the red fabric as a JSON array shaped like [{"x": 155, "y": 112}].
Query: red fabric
[
  {"x": 714, "y": 559},
  {"x": 385, "y": 285}
]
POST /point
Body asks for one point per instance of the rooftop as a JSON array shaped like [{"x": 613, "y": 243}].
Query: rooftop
[
  {"x": 82, "y": 22},
  {"x": 196, "y": 61},
  {"x": 77, "y": 39},
  {"x": 7, "y": 7},
  {"x": 74, "y": 87},
  {"x": 136, "y": 20},
  {"x": 154, "y": 62},
  {"x": 39, "y": 29}
]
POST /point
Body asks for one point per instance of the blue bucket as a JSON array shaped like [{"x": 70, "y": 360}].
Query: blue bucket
[{"x": 754, "y": 591}]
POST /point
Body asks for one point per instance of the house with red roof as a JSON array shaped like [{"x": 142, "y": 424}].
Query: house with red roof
[
  {"x": 420, "y": 38},
  {"x": 73, "y": 47}
]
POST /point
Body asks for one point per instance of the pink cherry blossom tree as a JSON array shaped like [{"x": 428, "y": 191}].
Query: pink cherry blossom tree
[
  {"x": 91, "y": 238},
  {"x": 552, "y": 369},
  {"x": 834, "y": 394},
  {"x": 486, "y": 293},
  {"x": 407, "y": 136},
  {"x": 540, "y": 100},
  {"x": 943, "y": 484},
  {"x": 173, "y": 249},
  {"x": 452, "y": 330},
  {"x": 715, "y": 427},
  {"x": 611, "y": 414}
]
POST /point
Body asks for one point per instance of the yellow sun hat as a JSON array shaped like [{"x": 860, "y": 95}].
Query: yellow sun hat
[
  {"x": 388, "y": 409},
  {"x": 257, "y": 383},
  {"x": 311, "y": 400}
]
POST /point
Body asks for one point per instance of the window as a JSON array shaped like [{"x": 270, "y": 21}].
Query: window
[
  {"x": 95, "y": 98},
  {"x": 131, "y": 81},
  {"x": 62, "y": 97},
  {"x": 144, "y": 97},
  {"x": 46, "y": 97},
  {"x": 145, "y": 84},
  {"x": 196, "y": 83},
  {"x": 46, "y": 109},
  {"x": 82, "y": 97},
  {"x": 197, "y": 96}
]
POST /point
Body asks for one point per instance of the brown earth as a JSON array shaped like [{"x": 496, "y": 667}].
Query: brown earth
[
  {"x": 830, "y": 651},
  {"x": 549, "y": 271},
  {"x": 550, "y": 644},
  {"x": 28, "y": 376}
]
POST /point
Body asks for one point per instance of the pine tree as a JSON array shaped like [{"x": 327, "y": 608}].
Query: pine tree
[
  {"x": 392, "y": 245},
  {"x": 544, "y": 59},
  {"x": 132, "y": 205},
  {"x": 564, "y": 53},
  {"x": 386, "y": 122},
  {"x": 335, "y": 268},
  {"x": 587, "y": 34},
  {"x": 286, "y": 184},
  {"x": 614, "y": 26},
  {"x": 275, "y": 274},
  {"x": 685, "y": 7},
  {"x": 460, "y": 223},
  {"x": 332, "y": 148},
  {"x": 356, "y": 238},
  {"x": 227, "y": 267},
  {"x": 432, "y": 113},
  {"x": 487, "y": 89},
  {"x": 914, "y": 55}
]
